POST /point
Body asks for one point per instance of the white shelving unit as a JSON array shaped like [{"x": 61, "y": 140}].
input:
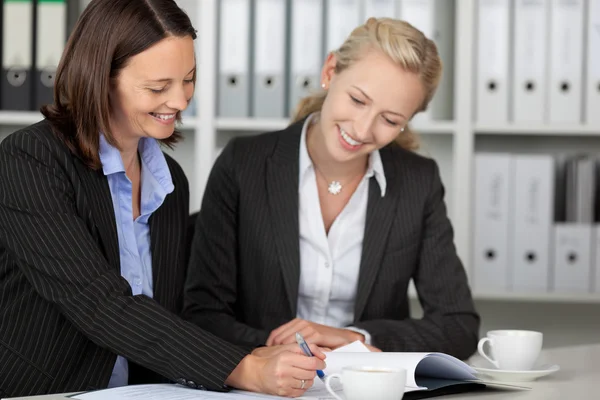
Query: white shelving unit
[
  {"x": 540, "y": 130},
  {"x": 451, "y": 143},
  {"x": 19, "y": 117},
  {"x": 584, "y": 298},
  {"x": 254, "y": 124}
]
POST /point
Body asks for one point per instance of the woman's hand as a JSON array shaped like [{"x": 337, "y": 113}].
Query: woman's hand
[
  {"x": 321, "y": 335},
  {"x": 373, "y": 348},
  {"x": 271, "y": 351},
  {"x": 277, "y": 370}
]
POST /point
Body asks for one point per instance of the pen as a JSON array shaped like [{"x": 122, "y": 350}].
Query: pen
[{"x": 307, "y": 352}]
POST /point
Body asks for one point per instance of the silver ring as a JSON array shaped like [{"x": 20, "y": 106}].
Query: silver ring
[{"x": 302, "y": 382}]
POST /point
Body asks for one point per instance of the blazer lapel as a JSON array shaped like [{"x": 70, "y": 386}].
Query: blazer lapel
[
  {"x": 98, "y": 194},
  {"x": 380, "y": 212},
  {"x": 165, "y": 242},
  {"x": 282, "y": 192}
]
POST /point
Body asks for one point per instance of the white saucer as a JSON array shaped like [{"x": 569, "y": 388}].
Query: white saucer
[{"x": 517, "y": 376}]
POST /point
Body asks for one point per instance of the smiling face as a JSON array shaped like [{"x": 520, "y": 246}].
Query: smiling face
[
  {"x": 152, "y": 89},
  {"x": 367, "y": 105}
]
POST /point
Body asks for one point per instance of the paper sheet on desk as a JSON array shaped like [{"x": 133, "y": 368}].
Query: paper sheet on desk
[
  {"x": 164, "y": 392},
  {"x": 178, "y": 392}
]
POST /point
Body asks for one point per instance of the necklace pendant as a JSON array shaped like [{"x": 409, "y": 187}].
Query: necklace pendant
[{"x": 334, "y": 187}]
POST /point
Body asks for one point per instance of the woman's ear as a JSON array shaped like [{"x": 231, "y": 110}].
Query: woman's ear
[{"x": 328, "y": 70}]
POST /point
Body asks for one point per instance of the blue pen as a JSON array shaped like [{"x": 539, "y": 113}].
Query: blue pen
[{"x": 307, "y": 352}]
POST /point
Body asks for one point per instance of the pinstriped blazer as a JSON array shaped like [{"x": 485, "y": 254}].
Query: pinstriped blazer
[
  {"x": 245, "y": 264},
  {"x": 65, "y": 311}
]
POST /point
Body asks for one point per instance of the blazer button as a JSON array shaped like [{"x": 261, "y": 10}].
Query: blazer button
[
  {"x": 181, "y": 381},
  {"x": 201, "y": 387},
  {"x": 192, "y": 385}
]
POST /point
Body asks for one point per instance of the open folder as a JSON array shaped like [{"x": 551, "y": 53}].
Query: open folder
[{"x": 428, "y": 375}]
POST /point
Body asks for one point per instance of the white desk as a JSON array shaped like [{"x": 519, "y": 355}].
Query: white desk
[{"x": 578, "y": 378}]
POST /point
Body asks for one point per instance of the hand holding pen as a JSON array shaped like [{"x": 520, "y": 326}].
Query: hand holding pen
[
  {"x": 286, "y": 370},
  {"x": 306, "y": 350}
]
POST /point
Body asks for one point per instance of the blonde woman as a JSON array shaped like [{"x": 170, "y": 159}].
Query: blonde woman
[{"x": 318, "y": 228}]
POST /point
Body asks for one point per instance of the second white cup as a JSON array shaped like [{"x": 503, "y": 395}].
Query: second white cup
[{"x": 511, "y": 349}]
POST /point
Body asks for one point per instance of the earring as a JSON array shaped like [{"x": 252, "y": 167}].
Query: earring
[
  {"x": 323, "y": 85},
  {"x": 402, "y": 130}
]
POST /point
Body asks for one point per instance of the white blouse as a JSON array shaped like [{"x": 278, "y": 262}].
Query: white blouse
[{"x": 329, "y": 264}]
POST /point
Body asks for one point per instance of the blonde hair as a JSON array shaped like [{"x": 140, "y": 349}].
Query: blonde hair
[{"x": 400, "y": 41}]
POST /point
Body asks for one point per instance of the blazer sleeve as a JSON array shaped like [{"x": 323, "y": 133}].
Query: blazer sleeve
[
  {"x": 211, "y": 290},
  {"x": 55, "y": 250},
  {"x": 450, "y": 323}
]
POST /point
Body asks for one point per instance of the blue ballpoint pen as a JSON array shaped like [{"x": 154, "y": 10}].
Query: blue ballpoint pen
[{"x": 308, "y": 353}]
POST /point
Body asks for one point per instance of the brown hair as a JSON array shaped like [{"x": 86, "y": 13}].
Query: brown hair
[
  {"x": 107, "y": 34},
  {"x": 400, "y": 41}
]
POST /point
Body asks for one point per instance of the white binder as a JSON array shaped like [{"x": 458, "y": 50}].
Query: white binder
[
  {"x": 17, "y": 48},
  {"x": 533, "y": 211},
  {"x": 530, "y": 60},
  {"x": 596, "y": 259},
  {"x": 573, "y": 232},
  {"x": 51, "y": 37},
  {"x": 305, "y": 49},
  {"x": 268, "y": 86},
  {"x": 493, "y": 183},
  {"x": 233, "y": 91},
  {"x": 342, "y": 17},
  {"x": 493, "y": 33},
  {"x": 566, "y": 61},
  {"x": 191, "y": 9},
  {"x": 572, "y": 257},
  {"x": 380, "y": 9},
  {"x": 436, "y": 20},
  {"x": 592, "y": 88}
]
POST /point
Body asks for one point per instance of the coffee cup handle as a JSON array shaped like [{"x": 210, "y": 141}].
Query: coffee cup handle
[
  {"x": 329, "y": 389},
  {"x": 482, "y": 352}
]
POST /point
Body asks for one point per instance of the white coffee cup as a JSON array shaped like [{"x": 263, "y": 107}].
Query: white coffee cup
[
  {"x": 511, "y": 349},
  {"x": 365, "y": 383}
]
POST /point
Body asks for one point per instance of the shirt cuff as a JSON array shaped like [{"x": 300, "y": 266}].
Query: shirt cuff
[{"x": 362, "y": 332}]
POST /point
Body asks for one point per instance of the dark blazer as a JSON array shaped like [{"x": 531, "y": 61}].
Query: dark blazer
[
  {"x": 245, "y": 263},
  {"x": 65, "y": 311}
]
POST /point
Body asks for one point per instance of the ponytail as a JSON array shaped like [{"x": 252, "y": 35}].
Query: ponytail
[{"x": 308, "y": 105}]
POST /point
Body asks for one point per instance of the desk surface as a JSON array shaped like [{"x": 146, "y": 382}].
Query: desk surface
[{"x": 578, "y": 378}]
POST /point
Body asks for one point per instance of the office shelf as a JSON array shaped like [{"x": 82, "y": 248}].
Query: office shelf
[
  {"x": 575, "y": 298},
  {"x": 251, "y": 124},
  {"x": 268, "y": 124},
  {"x": 435, "y": 127},
  {"x": 23, "y": 118},
  {"x": 188, "y": 123},
  {"x": 537, "y": 129},
  {"x": 19, "y": 117},
  {"x": 545, "y": 298}
]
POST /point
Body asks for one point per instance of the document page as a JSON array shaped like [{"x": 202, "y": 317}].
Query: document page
[{"x": 164, "y": 392}]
